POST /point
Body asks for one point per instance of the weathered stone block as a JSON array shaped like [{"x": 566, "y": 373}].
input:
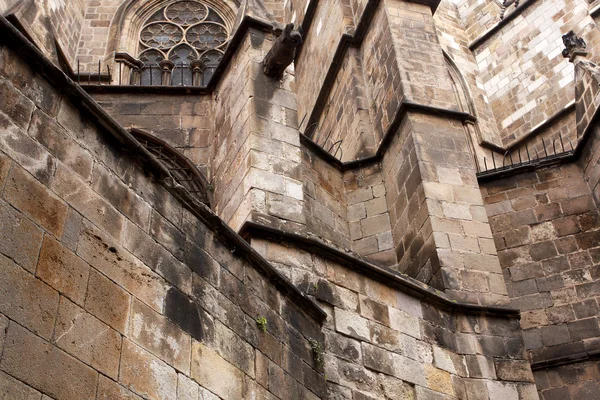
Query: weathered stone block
[
  {"x": 10, "y": 388},
  {"x": 145, "y": 374},
  {"x": 35, "y": 200},
  {"x": 513, "y": 370},
  {"x": 27, "y": 300},
  {"x": 110, "y": 390},
  {"x": 63, "y": 270},
  {"x": 161, "y": 337},
  {"x": 439, "y": 380},
  {"x": 351, "y": 324},
  {"x": 214, "y": 373},
  {"x": 85, "y": 337},
  {"x": 107, "y": 301},
  {"x": 502, "y": 391},
  {"x": 409, "y": 370},
  {"x": 113, "y": 261},
  {"x": 46, "y": 368},
  {"x": 20, "y": 239}
]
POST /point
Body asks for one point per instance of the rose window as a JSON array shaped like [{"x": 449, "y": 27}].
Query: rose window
[{"x": 182, "y": 44}]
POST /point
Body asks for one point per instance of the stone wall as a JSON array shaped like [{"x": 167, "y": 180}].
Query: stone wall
[
  {"x": 111, "y": 287},
  {"x": 383, "y": 342},
  {"x": 545, "y": 226},
  {"x": 523, "y": 73},
  {"x": 183, "y": 122}
]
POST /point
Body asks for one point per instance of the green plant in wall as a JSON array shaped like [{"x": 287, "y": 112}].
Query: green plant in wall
[
  {"x": 261, "y": 322},
  {"x": 318, "y": 353}
]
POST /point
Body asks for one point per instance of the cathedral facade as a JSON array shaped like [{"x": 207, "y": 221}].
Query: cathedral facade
[{"x": 299, "y": 199}]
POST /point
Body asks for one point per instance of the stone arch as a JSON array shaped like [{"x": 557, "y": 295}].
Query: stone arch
[
  {"x": 184, "y": 172},
  {"x": 131, "y": 15},
  {"x": 465, "y": 104}
]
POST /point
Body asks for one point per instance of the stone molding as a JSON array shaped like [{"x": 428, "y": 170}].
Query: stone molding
[{"x": 384, "y": 275}]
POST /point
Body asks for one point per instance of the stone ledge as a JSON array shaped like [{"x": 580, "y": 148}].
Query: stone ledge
[
  {"x": 492, "y": 31},
  {"x": 14, "y": 39},
  {"x": 568, "y": 358},
  {"x": 384, "y": 275}
]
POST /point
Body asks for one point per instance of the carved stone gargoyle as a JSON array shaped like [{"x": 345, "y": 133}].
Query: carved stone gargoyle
[
  {"x": 574, "y": 46},
  {"x": 506, "y": 4},
  {"x": 283, "y": 51}
]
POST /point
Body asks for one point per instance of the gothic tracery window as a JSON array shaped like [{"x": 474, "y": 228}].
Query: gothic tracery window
[{"x": 182, "y": 44}]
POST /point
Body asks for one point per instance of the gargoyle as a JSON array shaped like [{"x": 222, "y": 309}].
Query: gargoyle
[
  {"x": 283, "y": 51},
  {"x": 573, "y": 45},
  {"x": 506, "y": 4}
]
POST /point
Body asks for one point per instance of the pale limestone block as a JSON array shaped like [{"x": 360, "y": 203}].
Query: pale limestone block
[
  {"x": 351, "y": 324},
  {"x": 502, "y": 390},
  {"x": 408, "y": 370},
  {"x": 404, "y": 322},
  {"x": 211, "y": 371},
  {"x": 187, "y": 389},
  {"x": 442, "y": 360},
  {"x": 161, "y": 337},
  {"x": 87, "y": 338},
  {"x": 145, "y": 374}
]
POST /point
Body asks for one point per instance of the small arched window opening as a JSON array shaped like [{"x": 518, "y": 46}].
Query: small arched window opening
[
  {"x": 184, "y": 172},
  {"x": 180, "y": 44}
]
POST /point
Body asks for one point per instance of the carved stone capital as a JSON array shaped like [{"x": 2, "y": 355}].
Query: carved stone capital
[{"x": 574, "y": 46}]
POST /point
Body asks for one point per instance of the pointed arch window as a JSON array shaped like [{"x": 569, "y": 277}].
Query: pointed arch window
[{"x": 181, "y": 44}]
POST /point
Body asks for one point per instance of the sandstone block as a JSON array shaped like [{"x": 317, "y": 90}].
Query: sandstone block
[
  {"x": 145, "y": 374},
  {"x": 187, "y": 389},
  {"x": 35, "y": 200},
  {"x": 214, "y": 373},
  {"x": 114, "y": 262},
  {"x": 110, "y": 390},
  {"x": 85, "y": 337},
  {"x": 351, "y": 324},
  {"x": 403, "y": 322},
  {"x": 409, "y": 370},
  {"x": 513, "y": 370},
  {"x": 20, "y": 239},
  {"x": 160, "y": 336},
  {"x": 439, "y": 380},
  {"x": 107, "y": 301},
  {"x": 45, "y": 367},
  {"x": 10, "y": 389},
  {"x": 27, "y": 300},
  {"x": 63, "y": 270}
]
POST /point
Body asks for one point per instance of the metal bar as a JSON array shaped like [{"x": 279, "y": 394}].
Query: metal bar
[
  {"x": 545, "y": 150},
  {"x": 527, "y": 149},
  {"x": 485, "y": 163},
  {"x": 78, "y": 72},
  {"x": 520, "y": 160},
  {"x": 182, "y": 74},
  {"x": 554, "y": 146},
  {"x": 99, "y": 71},
  {"x": 494, "y": 160},
  {"x": 562, "y": 145},
  {"x": 109, "y": 75},
  {"x": 150, "y": 74},
  {"x": 120, "y": 74}
]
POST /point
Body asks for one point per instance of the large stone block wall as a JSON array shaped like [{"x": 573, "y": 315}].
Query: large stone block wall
[
  {"x": 545, "y": 226},
  {"x": 184, "y": 123},
  {"x": 439, "y": 225},
  {"x": 111, "y": 288},
  {"x": 383, "y": 343},
  {"x": 523, "y": 73},
  {"x": 46, "y": 21}
]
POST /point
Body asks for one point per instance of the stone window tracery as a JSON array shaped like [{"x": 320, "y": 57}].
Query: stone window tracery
[{"x": 182, "y": 44}]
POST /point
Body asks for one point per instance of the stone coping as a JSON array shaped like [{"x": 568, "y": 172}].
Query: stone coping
[
  {"x": 381, "y": 274},
  {"x": 14, "y": 39},
  {"x": 502, "y": 23}
]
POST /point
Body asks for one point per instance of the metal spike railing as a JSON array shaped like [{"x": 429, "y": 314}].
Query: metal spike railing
[{"x": 525, "y": 156}]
